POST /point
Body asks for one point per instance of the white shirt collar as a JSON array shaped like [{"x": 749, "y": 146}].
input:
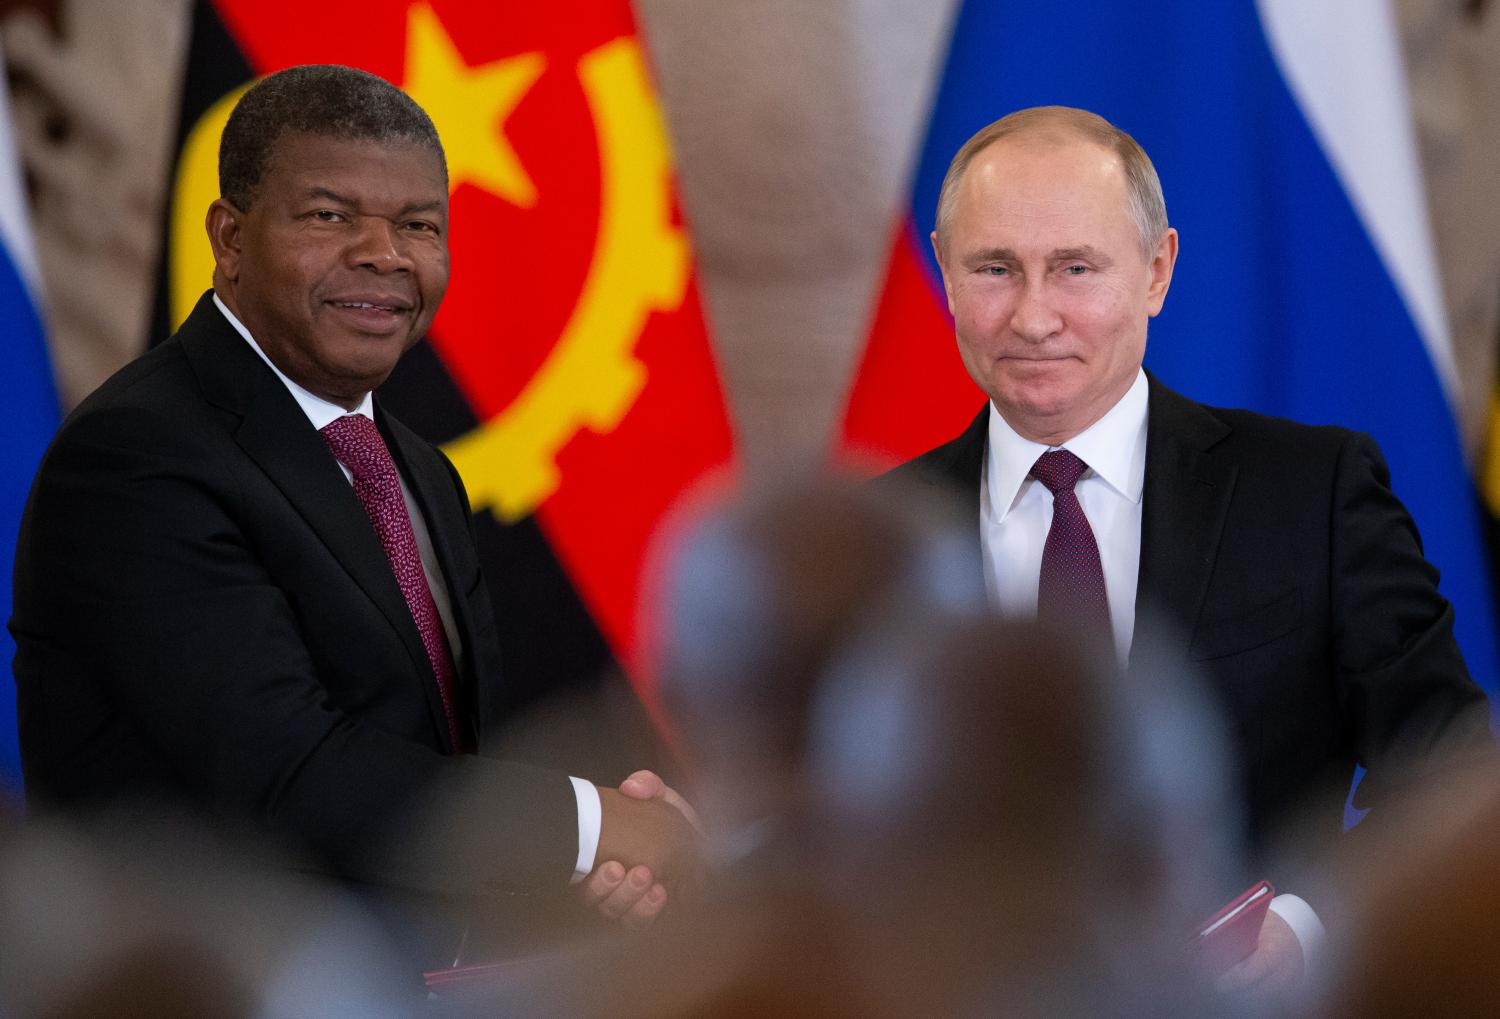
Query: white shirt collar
[
  {"x": 319, "y": 411},
  {"x": 1114, "y": 447}
]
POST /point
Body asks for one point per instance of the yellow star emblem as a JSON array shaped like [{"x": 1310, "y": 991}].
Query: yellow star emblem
[{"x": 469, "y": 106}]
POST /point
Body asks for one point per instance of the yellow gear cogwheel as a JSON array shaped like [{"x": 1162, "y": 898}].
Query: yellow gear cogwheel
[{"x": 640, "y": 265}]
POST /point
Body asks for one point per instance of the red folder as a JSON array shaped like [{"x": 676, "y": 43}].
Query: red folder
[
  {"x": 458, "y": 976},
  {"x": 1231, "y": 934}
]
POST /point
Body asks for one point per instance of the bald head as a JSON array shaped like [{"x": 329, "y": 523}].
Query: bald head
[{"x": 1061, "y": 125}]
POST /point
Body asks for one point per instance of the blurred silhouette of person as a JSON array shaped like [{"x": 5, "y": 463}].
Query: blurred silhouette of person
[
  {"x": 160, "y": 917},
  {"x": 755, "y": 597},
  {"x": 1010, "y": 829},
  {"x": 1423, "y": 936},
  {"x": 759, "y": 597}
]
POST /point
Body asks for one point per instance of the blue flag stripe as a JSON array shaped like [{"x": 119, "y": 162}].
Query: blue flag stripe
[{"x": 30, "y": 416}]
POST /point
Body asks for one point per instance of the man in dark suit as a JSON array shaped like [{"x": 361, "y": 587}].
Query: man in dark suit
[
  {"x": 1270, "y": 557},
  {"x": 242, "y": 586}
]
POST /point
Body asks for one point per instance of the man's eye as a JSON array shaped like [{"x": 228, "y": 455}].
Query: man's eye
[
  {"x": 1076, "y": 270},
  {"x": 329, "y": 216},
  {"x": 421, "y": 226},
  {"x": 996, "y": 270}
]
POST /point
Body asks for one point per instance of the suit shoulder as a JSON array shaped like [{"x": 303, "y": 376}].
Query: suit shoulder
[
  {"x": 1270, "y": 437},
  {"x": 1280, "y": 429},
  {"x": 153, "y": 393},
  {"x": 926, "y": 466},
  {"x": 139, "y": 378},
  {"x": 954, "y": 464}
]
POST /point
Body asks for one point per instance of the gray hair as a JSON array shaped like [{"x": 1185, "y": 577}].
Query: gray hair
[
  {"x": 1146, "y": 205},
  {"x": 329, "y": 100}
]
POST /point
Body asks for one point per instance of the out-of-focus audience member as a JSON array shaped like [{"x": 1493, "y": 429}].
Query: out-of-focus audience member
[
  {"x": 1423, "y": 936},
  {"x": 161, "y": 919},
  {"x": 758, "y": 598},
  {"x": 1011, "y": 829},
  {"x": 753, "y": 599}
]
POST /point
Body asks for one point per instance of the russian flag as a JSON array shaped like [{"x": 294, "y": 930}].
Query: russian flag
[
  {"x": 28, "y": 398},
  {"x": 1306, "y": 285}
]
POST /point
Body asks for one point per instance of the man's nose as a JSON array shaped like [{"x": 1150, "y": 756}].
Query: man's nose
[
  {"x": 379, "y": 245},
  {"x": 1034, "y": 317}
]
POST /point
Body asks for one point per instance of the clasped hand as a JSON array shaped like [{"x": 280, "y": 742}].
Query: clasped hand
[{"x": 650, "y": 839}]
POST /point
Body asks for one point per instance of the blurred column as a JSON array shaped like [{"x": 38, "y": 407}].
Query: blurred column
[
  {"x": 94, "y": 83},
  {"x": 1453, "y": 61},
  {"x": 795, "y": 125}
]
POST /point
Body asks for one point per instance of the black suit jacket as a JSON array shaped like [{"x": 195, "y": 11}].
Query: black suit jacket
[
  {"x": 1277, "y": 565},
  {"x": 204, "y": 612}
]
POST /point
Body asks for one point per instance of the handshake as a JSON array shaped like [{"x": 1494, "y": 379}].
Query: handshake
[{"x": 650, "y": 839}]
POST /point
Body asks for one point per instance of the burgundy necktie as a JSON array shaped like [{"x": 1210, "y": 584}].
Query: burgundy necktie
[
  {"x": 357, "y": 444},
  {"x": 1071, "y": 592}
]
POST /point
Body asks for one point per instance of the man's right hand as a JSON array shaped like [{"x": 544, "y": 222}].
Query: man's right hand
[
  {"x": 649, "y": 832},
  {"x": 649, "y": 838}
]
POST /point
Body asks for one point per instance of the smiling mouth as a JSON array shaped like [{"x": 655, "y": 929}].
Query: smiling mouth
[{"x": 367, "y": 305}]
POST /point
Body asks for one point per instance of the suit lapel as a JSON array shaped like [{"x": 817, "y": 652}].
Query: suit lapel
[
  {"x": 275, "y": 434},
  {"x": 433, "y": 490},
  {"x": 1186, "y": 496}
]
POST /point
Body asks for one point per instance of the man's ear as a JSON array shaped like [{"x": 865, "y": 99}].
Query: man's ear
[
  {"x": 1162, "y": 262},
  {"x": 937, "y": 250},
  {"x": 225, "y": 225}
]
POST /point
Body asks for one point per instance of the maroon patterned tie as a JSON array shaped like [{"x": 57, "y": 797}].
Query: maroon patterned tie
[
  {"x": 357, "y": 444},
  {"x": 1071, "y": 592}
]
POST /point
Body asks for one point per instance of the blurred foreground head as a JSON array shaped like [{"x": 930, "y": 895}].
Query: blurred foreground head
[
  {"x": 1011, "y": 827},
  {"x": 761, "y": 593},
  {"x": 1423, "y": 934},
  {"x": 153, "y": 915}
]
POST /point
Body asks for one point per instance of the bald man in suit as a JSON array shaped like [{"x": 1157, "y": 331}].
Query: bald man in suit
[{"x": 1269, "y": 556}]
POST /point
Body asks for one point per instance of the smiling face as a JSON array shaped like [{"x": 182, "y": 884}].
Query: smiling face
[
  {"x": 1049, "y": 288},
  {"x": 341, "y": 261}
]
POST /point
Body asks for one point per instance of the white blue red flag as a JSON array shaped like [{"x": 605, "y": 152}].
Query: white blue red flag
[{"x": 28, "y": 401}]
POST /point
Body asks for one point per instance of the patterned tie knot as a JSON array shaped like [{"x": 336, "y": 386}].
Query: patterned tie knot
[
  {"x": 1059, "y": 470},
  {"x": 357, "y": 444}
]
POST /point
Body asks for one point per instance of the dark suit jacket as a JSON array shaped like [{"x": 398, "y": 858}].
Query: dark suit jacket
[
  {"x": 1277, "y": 565},
  {"x": 204, "y": 612}
]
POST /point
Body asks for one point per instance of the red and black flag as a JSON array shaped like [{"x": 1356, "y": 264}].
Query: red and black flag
[{"x": 568, "y": 373}]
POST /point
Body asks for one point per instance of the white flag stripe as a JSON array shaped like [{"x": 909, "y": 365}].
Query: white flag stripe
[
  {"x": 15, "y": 222},
  {"x": 1342, "y": 61}
]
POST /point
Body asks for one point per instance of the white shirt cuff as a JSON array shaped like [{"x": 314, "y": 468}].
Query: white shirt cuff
[
  {"x": 1299, "y": 916},
  {"x": 590, "y": 820}
]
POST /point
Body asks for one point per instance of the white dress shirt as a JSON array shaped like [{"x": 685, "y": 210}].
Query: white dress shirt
[
  {"x": 1015, "y": 509},
  {"x": 1015, "y": 513},
  {"x": 321, "y": 413}
]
